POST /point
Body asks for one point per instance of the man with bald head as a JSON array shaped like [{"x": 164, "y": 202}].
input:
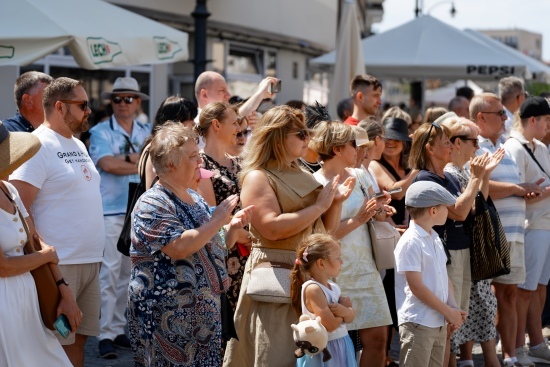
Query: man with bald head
[{"x": 211, "y": 87}]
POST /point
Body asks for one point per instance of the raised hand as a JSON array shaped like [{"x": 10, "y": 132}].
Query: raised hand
[
  {"x": 224, "y": 209},
  {"x": 494, "y": 160}
]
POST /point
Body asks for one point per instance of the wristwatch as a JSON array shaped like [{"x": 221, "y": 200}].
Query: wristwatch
[
  {"x": 127, "y": 158},
  {"x": 62, "y": 281}
]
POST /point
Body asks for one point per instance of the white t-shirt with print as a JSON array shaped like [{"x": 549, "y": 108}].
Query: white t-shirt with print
[{"x": 67, "y": 210}]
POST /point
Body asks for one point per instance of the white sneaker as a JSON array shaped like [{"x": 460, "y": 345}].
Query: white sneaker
[
  {"x": 541, "y": 354},
  {"x": 523, "y": 358}
]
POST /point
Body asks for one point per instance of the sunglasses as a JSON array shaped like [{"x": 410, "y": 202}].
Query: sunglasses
[
  {"x": 353, "y": 144},
  {"x": 429, "y": 132},
  {"x": 465, "y": 138},
  {"x": 118, "y": 100},
  {"x": 82, "y": 104},
  {"x": 243, "y": 133},
  {"x": 500, "y": 113},
  {"x": 303, "y": 134}
]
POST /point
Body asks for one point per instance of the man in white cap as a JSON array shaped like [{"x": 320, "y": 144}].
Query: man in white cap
[
  {"x": 60, "y": 189},
  {"x": 115, "y": 146}
]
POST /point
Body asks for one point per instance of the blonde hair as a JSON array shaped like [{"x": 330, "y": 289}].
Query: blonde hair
[
  {"x": 418, "y": 158},
  {"x": 167, "y": 146},
  {"x": 213, "y": 111},
  {"x": 399, "y": 113},
  {"x": 328, "y": 135},
  {"x": 460, "y": 126},
  {"x": 268, "y": 141},
  {"x": 318, "y": 246}
]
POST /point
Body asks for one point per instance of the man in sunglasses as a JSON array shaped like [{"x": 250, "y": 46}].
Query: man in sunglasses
[
  {"x": 60, "y": 189},
  {"x": 28, "y": 91},
  {"x": 509, "y": 191},
  {"x": 115, "y": 146}
]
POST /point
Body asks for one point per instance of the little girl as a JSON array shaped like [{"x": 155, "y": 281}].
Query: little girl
[{"x": 319, "y": 257}]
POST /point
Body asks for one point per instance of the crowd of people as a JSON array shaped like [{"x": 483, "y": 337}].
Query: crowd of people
[{"x": 230, "y": 190}]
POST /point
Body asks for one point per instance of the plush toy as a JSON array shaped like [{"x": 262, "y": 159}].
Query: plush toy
[{"x": 311, "y": 337}]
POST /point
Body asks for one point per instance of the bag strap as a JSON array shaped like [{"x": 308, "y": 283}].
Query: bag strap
[
  {"x": 196, "y": 225},
  {"x": 533, "y": 156},
  {"x": 23, "y": 221},
  {"x": 125, "y": 137}
]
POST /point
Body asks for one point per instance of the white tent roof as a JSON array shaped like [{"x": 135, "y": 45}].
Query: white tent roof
[
  {"x": 538, "y": 70},
  {"x": 98, "y": 34},
  {"x": 426, "y": 48},
  {"x": 443, "y": 95}
]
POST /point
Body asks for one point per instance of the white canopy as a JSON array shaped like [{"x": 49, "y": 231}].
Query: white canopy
[
  {"x": 426, "y": 48},
  {"x": 538, "y": 70},
  {"x": 98, "y": 34},
  {"x": 443, "y": 95}
]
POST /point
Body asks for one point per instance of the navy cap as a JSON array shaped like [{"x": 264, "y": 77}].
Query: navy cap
[{"x": 534, "y": 107}]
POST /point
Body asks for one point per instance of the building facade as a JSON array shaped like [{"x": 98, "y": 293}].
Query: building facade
[{"x": 524, "y": 41}]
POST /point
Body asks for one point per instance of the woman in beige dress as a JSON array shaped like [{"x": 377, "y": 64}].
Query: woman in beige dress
[{"x": 290, "y": 204}]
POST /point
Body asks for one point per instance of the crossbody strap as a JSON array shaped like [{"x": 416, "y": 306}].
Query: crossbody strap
[
  {"x": 196, "y": 225},
  {"x": 125, "y": 137},
  {"x": 533, "y": 156},
  {"x": 23, "y": 221}
]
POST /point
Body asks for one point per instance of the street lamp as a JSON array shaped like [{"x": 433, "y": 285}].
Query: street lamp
[
  {"x": 420, "y": 6},
  {"x": 200, "y": 14}
]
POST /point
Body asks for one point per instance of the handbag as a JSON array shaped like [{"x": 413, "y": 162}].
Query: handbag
[
  {"x": 135, "y": 190},
  {"x": 489, "y": 249},
  {"x": 46, "y": 289},
  {"x": 383, "y": 238},
  {"x": 270, "y": 282}
]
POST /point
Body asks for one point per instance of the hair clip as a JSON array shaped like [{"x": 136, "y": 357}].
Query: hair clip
[
  {"x": 304, "y": 256},
  {"x": 297, "y": 262}
]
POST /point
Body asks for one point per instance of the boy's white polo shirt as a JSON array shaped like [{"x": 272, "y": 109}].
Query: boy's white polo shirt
[{"x": 420, "y": 251}]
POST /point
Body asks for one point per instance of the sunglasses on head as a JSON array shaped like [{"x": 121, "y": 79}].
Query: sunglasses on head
[
  {"x": 303, "y": 134},
  {"x": 82, "y": 104},
  {"x": 243, "y": 133},
  {"x": 429, "y": 132},
  {"x": 118, "y": 100}
]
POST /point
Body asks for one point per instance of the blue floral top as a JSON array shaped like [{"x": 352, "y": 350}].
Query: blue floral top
[{"x": 174, "y": 305}]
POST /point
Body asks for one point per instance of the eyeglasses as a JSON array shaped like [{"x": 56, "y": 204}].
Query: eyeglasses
[
  {"x": 243, "y": 133},
  {"x": 429, "y": 132},
  {"x": 303, "y": 134},
  {"x": 118, "y": 100},
  {"x": 82, "y": 104},
  {"x": 353, "y": 144},
  {"x": 500, "y": 113},
  {"x": 465, "y": 138}
]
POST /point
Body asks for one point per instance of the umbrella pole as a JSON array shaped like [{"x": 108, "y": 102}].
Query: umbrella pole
[{"x": 200, "y": 14}]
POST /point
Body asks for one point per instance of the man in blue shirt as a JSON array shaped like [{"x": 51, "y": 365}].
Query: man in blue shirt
[
  {"x": 115, "y": 146},
  {"x": 28, "y": 91}
]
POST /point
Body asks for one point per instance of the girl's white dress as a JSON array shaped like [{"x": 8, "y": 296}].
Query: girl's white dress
[
  {"x": 24, "y": 340},
  {"x": 359, "y": 279},
  {"x": 339, "y": 343}
]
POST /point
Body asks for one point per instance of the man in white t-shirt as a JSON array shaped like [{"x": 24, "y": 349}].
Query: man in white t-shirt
[
  {"x": 60, "y": 189},
  {"x": 533, "y": 161}
]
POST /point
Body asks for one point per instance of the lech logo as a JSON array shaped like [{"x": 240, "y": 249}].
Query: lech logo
[
  {"x": 165, "y": 48},
  {"x": 6, "y": 52},
  {"x": 102, "y": 50}
]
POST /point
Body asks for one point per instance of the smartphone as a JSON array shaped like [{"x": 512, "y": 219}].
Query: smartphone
[
  {"x": 63, "y": 326},
  {"x": 391, "y": 192},
  {"x": 275, "y": 88},
  {"x": 243, "y": 251}
]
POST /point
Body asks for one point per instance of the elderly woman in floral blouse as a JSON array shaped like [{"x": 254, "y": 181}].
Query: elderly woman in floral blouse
[{"x": 178, "y": 268}]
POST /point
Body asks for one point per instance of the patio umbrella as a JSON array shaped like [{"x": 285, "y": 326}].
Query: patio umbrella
[
  {"x": 426, "y": 48},
  {"x": 349, "y": 55},
  {"x": 98, "y": 34}
]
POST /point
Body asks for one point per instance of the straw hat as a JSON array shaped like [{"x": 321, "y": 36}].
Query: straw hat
[
  {"x": 126, "y": 85},
  {"x": 15, "y": 149}
]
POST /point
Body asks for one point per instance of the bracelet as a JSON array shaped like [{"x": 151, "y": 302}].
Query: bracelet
[{"x": 127, "y": 158}]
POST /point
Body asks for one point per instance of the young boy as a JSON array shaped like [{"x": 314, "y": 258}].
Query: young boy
[{"x": 422, "y": 286}]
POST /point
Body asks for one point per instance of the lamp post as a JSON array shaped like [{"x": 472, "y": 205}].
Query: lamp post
[
  {"x": 200, "y": 14},
  {"x": 420, "y": 6}
]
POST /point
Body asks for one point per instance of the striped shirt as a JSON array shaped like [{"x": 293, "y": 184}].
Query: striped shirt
[{"x": 511, "y": 209}]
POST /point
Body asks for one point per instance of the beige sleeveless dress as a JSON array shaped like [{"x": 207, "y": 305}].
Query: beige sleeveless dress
[{"x": 265, "y": 336}]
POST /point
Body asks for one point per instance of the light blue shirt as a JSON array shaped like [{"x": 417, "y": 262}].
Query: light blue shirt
[{"x": 108, "y": 139}]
